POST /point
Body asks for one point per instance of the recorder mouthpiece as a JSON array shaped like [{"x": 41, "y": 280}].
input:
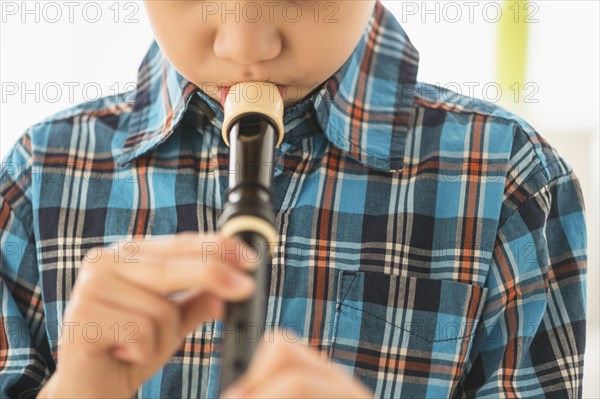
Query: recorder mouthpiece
[{"x": 249, "y": 98}]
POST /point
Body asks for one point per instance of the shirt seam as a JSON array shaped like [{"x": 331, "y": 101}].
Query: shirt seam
[
  {"x": 545, "y": 187},
  {"x": 26, "y": 172},
  {"x": 12, "y": 210},
  {"x": 523, "y": 125},
  {"x": 481, "y": 324}
]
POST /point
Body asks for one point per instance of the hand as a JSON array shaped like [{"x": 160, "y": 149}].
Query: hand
[
  {"x": 281, "y": 369},
  {"x": 136, "y": 325}
]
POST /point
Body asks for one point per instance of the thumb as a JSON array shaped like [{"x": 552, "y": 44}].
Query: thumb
[{"x": 199, "y": 309}]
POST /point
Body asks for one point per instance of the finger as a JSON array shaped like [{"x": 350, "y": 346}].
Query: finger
[
  {"x": 120, "y": 294},
  {"x": 99, "y": 328},
  {"x": 198, "y": 309},
  {"x": 278, "y": 356},
  {"x": 192, "y": 312},
  {"x": 304, "y": 383},
  {"x": 127, "y": 251},
  {"x": 172, "y": 321},
  {"x": 290, "y": 383},
  {"x": 285, "y": 384},
  {"x": 227, "y": 249},
  {"x": 186, "y": 242},
  {"x": 169, "y": 275}
]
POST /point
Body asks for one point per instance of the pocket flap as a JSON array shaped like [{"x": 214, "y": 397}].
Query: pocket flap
[
  {"x": 405, "y": 336},
  {"x": 430, "y": 310}
]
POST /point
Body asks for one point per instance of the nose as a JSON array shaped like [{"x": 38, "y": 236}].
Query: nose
[{"x": 247, "y": 42}]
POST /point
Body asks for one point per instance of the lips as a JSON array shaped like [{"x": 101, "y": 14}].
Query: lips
[{"x": 224, "y": 90}]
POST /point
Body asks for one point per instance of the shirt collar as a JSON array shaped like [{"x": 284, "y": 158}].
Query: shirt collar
[{"x": 364, "y": 109}]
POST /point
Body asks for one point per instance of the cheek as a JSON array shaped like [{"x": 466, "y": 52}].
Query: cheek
[
  {"x": 183, "y": 41},
  {"x": 187, "y": 52}
]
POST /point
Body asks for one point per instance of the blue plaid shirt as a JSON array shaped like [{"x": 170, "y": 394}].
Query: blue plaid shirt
[{"x": 433, "y": 245}]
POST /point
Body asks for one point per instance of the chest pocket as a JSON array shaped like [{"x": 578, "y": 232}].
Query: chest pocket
[{"x": 405, "y": 336}]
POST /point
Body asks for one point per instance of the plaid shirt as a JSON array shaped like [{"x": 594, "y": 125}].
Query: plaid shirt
[{"x": 433, "y": 245}]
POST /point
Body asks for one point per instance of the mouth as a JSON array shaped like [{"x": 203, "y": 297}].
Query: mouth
[{"x": 224, "y": 90}]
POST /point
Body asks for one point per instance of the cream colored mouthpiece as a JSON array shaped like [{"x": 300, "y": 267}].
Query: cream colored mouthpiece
[{"x": 253, "y": 97}]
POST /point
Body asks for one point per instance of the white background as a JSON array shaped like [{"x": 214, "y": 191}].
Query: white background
[{"x": 51, "y": 59}]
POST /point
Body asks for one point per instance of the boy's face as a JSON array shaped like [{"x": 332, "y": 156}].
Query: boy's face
[{"x": 297, "y": 44}]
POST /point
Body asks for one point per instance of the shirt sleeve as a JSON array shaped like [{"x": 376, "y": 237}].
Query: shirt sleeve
[
  {"x": 25, "y": 358},
  {"x": 531, "y": 338}
]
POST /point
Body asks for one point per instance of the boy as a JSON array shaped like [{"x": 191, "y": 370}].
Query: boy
[{"x": 430, "y": 245}]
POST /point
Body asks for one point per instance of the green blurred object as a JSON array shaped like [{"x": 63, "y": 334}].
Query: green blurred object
[{"x": 511, "y": 50}]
